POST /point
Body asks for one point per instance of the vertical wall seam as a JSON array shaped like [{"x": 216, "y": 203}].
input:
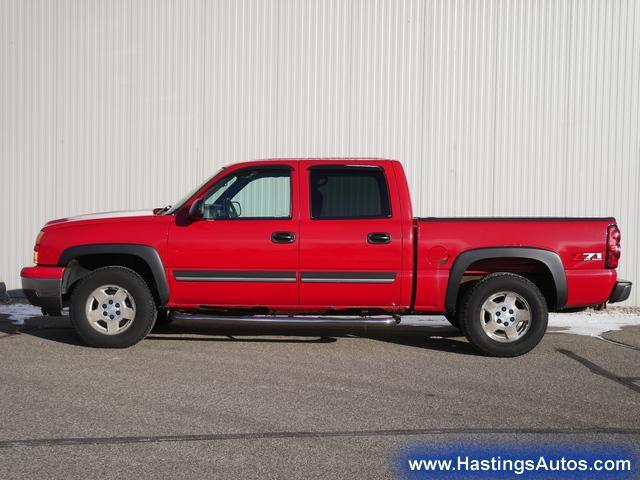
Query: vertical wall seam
[
  {"x": 494, "y": 159},
  {"x": 565, "y": 196},
  {"x": 277, "y": 81},
  {"x": 203, "y": 95},
  {"x": 423, "y": 110}
]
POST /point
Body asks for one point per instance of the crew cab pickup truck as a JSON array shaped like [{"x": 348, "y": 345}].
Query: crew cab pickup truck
[{"x": 291, "y": 240}]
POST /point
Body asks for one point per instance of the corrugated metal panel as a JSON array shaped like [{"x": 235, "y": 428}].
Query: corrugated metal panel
[{"x": 495, "y": 107}]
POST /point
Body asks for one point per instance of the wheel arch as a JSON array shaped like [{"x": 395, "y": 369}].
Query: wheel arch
[
  {"x": 79, "y": 260},
  {"x": 549, "y": 259}
]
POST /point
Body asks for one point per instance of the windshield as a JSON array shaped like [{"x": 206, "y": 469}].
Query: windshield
[{"x": 177, "y": 206}]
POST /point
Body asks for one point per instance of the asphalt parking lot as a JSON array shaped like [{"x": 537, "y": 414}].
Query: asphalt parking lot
[{"x": 196, "y": 401}]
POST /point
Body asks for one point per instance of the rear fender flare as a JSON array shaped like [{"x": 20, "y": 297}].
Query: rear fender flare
[{"x": 550, "y": 259}]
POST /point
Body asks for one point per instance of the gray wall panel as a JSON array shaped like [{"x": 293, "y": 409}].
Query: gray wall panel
[{"x": 495, "y": 107}]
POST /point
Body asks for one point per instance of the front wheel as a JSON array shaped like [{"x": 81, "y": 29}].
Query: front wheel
[
  {"x": 163, "y": 317},
  {"x": 504, "y": 315},
  {"x": 112, "y": 307}
]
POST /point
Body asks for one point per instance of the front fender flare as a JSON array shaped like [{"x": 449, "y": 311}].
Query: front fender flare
[
  {"x": 147, "y": 253},
  {"x": 550, "y": 259}
]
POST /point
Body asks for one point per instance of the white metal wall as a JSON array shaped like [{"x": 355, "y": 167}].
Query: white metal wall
[{"x": 527, "y": 107}]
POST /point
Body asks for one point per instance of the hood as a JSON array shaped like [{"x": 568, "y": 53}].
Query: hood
[{"x": 109, "y": 216}]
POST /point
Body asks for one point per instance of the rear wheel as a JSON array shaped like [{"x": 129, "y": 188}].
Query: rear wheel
[
  {"x": 504, "y": 315},
  {"x": 112, "y": 307},
  {"x": 453, "y": 320}
]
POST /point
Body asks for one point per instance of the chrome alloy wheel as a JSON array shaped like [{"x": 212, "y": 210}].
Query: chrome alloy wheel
[
  {"x": 505, "y": 317},
  {"x": 110, "y": 309}
]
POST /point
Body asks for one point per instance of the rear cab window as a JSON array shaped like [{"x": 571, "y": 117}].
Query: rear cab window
[{"x": 348, "y": 192}]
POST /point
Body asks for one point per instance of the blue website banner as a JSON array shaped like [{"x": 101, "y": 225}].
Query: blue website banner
[{"x": 501, "y": 460}]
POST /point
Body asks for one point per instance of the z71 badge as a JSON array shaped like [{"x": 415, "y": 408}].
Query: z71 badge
[{"x": 588, "y": 256}]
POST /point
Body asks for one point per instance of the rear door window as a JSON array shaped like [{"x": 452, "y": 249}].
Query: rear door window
[{"x": 349, "y": 193}]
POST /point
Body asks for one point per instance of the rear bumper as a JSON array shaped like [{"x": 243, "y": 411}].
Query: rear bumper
[
  {"x": 43, "y": 286},
  {"x": 621, "y": 291}
]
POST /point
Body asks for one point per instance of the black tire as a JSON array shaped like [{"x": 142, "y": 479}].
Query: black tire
[
  {"x": 471, "y": 308},
  {"x": 163, "y": 317},
  {"x": 145, "y": 307},
  {"x": 453, "y": 320}
]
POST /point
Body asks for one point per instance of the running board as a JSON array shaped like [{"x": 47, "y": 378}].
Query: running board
[{"x": 300, "y": 321}]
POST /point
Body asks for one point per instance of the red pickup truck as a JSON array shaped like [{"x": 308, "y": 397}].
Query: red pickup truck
[{"x": 278, "y": 241}]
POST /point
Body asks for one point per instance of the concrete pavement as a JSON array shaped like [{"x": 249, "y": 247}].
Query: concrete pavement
[{"x": 194, "y": 401}]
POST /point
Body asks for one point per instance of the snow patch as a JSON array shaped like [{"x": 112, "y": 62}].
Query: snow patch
[
  {"x": 591, "y": 324},
  {"x": 425, "y": 321},
  {"x": 19, "y": 312}
]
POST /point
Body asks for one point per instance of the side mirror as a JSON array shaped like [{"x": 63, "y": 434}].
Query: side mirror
[{"x": 196, "y": 211}]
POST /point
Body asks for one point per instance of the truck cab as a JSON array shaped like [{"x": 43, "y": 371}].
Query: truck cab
[{"x": 292, "y": 235}]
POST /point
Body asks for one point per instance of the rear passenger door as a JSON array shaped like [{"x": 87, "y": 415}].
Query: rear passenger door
[{"x": 350, "y": 235}]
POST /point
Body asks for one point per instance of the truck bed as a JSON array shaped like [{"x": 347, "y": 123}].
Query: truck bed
[{"x": 579, "y": 242}]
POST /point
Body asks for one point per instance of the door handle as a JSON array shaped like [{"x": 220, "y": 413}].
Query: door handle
[
  {"x": 283, "y": 237},
  {"x": 379, "y": 237}
]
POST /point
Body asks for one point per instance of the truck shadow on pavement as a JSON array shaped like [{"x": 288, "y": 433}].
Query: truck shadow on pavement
[
  {"x": 438, "y": 337},
  {"x": 430, "y": 337}
]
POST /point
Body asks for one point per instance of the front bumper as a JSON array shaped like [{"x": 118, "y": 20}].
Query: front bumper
[
  {"x": 43, "y": 286},
  {"x": 621, "y": 291}
]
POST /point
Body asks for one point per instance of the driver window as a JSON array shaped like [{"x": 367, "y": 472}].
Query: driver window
[{"x": 259, "y": 193}]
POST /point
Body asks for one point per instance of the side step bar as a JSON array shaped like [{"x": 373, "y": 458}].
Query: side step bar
[{"x": 300, "y": 321}]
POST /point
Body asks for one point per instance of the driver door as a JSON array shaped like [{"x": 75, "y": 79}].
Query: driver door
[{"x": 244, "y": 252}]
